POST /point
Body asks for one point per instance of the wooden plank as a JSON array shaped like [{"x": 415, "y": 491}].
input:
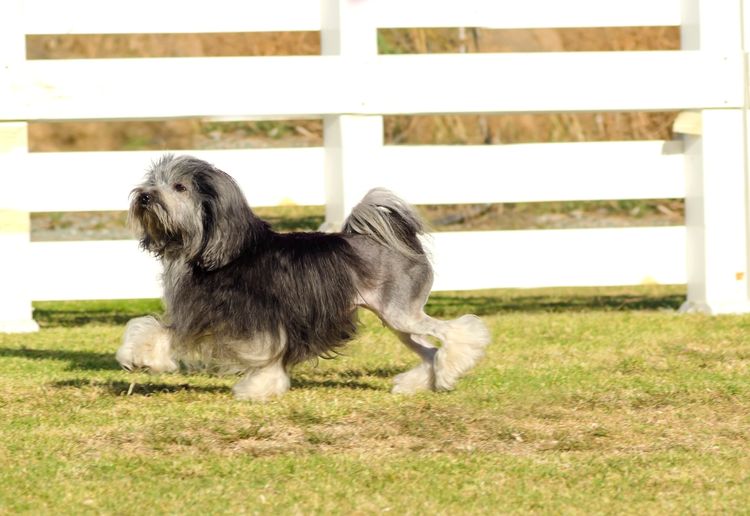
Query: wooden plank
[
  {"x": 350, "y": 141},
  {"x": 101, "y": 181},
  {"x": 527, "y": 14},
  {"x": 156, "y": 88},
  {"x": 434, "y": 174},
  {"x": 716, "y": 158},
  {"x": 112, "y": 269},
  {"x": 451, "y": 83},
  {"x": 557, "y": 258},
  {"x": 463, "y": 261},
  {"x": 95, "y": 17},
  {"x": 429, "y": 174},
  {"x": 552, "y": 82},
  {"x": 716, "y": 214},
  {"x": 169, "y": 16},
  {"x": 15, "y": 303}
]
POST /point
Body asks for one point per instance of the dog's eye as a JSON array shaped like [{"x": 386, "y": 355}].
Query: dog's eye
[{"x": 179, "y": 187}]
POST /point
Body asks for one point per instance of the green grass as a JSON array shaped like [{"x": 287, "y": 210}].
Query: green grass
[{"x": 589, "y": 401}]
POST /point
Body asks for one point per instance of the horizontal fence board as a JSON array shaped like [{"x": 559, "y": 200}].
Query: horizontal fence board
[
  {"x": 428, "y": 174},
  {"x": 102, "y": 181},
  {"x": 550, "y": 82},
  {"x": 552, "y": 258},
  {"x": 463, "y": 261},
  {"x": 580, "y": 171},
  {"x": 527, "y": 13},
  {"x": 96, "y": 17},
  {"x": 287, "y": 87},
  {"x": 104, "y": 269},
  {"x": 169, "y": 16},
  {"x": 156, "y": 88}
]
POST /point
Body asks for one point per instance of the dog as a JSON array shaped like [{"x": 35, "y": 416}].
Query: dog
[{"x": 241, "y": 297}]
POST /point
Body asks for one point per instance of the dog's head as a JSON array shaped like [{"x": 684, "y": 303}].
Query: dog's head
[{"x": 188, "y": 209}]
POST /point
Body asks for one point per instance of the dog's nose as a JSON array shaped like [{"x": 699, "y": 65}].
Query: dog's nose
[{"x": 144, "y": 199}]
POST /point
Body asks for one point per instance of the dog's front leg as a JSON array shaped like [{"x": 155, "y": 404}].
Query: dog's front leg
[
  {"x": 146, "y": 345},
  {"x": 261, "y": 384}
]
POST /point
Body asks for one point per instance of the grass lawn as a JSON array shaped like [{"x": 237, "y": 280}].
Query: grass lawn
[{"x": 589, "y": 401}]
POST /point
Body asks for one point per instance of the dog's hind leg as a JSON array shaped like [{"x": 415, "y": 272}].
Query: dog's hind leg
[
  {"x": 146, "y": 344},
  {"x": 422, "y": 377},
  {"x": 398, "y": 298},
  {"x": 463, "y": 342}
]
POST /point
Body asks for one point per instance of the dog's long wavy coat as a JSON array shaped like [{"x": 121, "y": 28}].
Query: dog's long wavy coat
[{"x": 242, "y": 297}]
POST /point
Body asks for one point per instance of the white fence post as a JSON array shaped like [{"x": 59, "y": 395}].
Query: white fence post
[
  {"x": 352, "y": 142},
  {"x": 15, "y": 300},
  {"x": 715, "y": 170}
]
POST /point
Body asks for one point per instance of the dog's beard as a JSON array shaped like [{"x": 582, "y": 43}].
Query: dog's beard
[{"x": 157, "y": 229}]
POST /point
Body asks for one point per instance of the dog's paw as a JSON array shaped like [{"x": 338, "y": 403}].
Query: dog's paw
[
  {"x": 464, "y": 345},
  {"x": 131, "y": 358},
  {"x": 262, "y": 384},
  {"x": 146, "y": 345},
  {"x": 421, "y": 378}
]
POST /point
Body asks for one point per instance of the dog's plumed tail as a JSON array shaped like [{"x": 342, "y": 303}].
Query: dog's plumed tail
[{"x": 390, "y": 221}]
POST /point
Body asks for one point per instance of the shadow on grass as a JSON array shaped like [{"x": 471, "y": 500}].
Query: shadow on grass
[
  {"x": 69, "y": 319},
  {"x": 378, "y": 372},
  {"x": 355, "y": 379},
  {"x": 76, "y": 313},
  {"x": 139, "y": 389},
  {"x": 306, "y": 383},
  {"x": 442, "y": 305},
  {"x": 77, "y": 360}
]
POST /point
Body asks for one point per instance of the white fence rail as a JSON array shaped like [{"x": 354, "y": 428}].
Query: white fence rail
[
  {"x": 463, "y": 261},
  {"x": 144, "y": 16},
  {"x": 351, "y": 87},
  {"x": 281, "y": 87}
]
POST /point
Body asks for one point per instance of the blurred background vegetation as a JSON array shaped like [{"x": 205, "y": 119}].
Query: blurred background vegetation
[{"x": 399, "y": 130}]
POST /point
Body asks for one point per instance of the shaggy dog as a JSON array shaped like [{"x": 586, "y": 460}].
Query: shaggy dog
[{"x": 240, "y": 297}]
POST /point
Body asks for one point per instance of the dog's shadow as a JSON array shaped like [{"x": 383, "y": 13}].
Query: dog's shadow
[
  {"x": 446, "y": 305},
  {"x": 118, "y": 388},
  {"x": 76, "y": 360},
  {"x": 350, "y": 379},
  {"x": 355, "y": 379},
  {"x": 307, "y": 383}
]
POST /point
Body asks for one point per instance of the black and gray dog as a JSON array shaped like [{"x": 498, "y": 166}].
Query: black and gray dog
[{"x": 241, "y": 297}]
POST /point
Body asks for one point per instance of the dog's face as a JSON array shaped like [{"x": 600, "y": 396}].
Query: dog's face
[{"x": 188, "y": 209}]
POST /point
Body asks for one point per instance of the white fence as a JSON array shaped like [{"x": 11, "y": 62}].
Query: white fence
[{"x": 351, "y": 87}]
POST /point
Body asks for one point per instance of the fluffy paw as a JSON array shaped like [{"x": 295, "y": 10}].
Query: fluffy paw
[
  {"x": 464, "y": 345},
  {"x": 421, "y": 378},
  {"x": 262, "y": 384},
  {"x": 146, "y": 345}
]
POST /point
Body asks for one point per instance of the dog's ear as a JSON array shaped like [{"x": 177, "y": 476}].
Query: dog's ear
[{"x": 229, "y": 226}]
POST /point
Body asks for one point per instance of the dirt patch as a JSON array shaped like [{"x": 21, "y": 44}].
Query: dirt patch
[{"x": 443, "y": 430}]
